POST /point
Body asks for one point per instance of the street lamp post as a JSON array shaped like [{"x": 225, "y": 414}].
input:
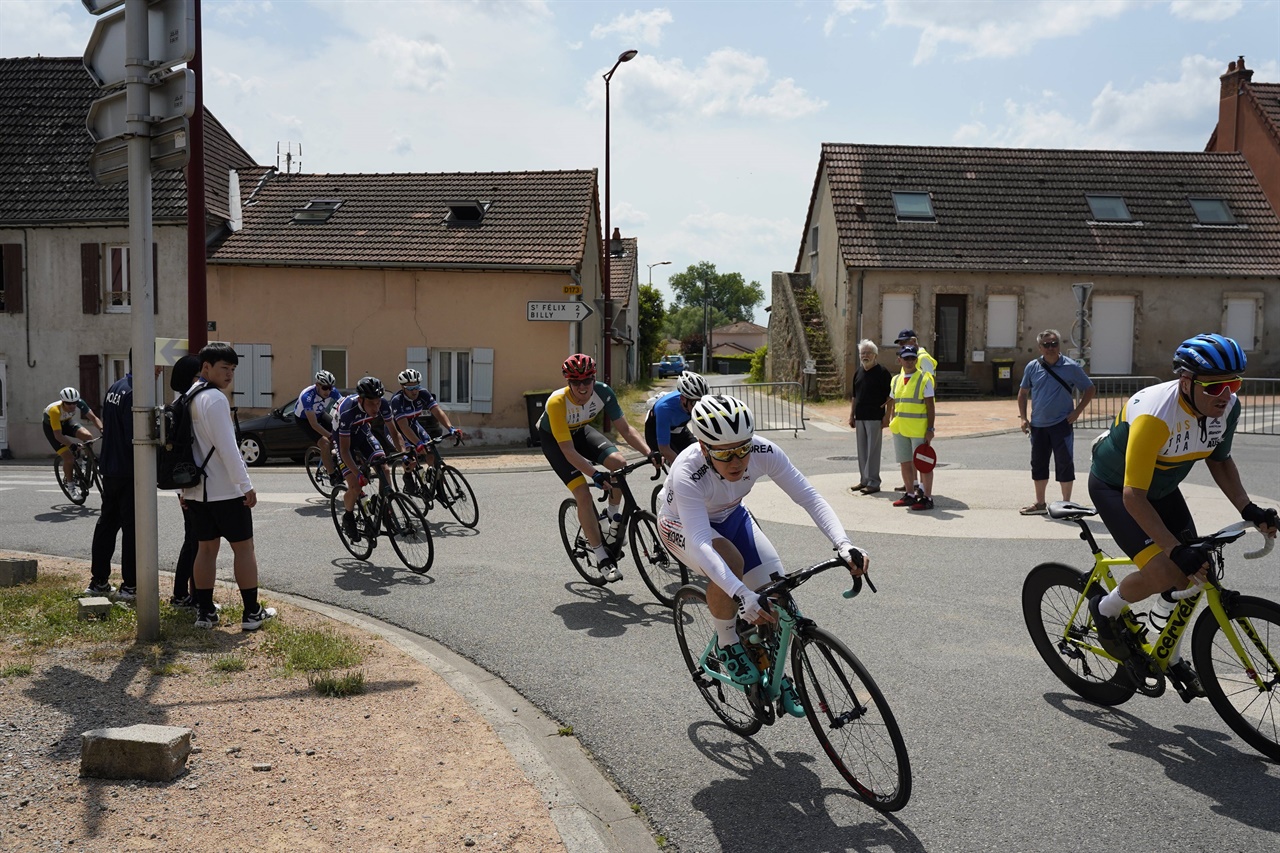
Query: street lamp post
[
  {"x": 650, "y": 266},
  {"x": 706, "y": 325},
  {"x": 625, "y": 56}
]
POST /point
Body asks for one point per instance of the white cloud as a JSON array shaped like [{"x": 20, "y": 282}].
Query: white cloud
[
  {"x": 1205, "y": 10},
  {"x": 642, "y": 27},
  {"x": 244, "y": 12},
  {"x": 627, "y": 216},
  {"x": 995, "y": 29},
  {"x": 843, "y": 9},
  {"x": 61, "y": 28},
  {"x": 216, "y": 76},
  {"x": 418, "y": 64}
]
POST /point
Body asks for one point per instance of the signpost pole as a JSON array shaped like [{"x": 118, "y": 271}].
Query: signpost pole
[{"x": 141, "y": 300}]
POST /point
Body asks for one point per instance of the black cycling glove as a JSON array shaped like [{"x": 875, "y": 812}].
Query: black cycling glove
[
  {"x": 1258, "y": 516},
  {"x": 1188, "y": 559}
]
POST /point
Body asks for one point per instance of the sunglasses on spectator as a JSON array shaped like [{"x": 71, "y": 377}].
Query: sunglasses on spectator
[
  {"x": 1049, "y": 344},
  {"x": 1216, "y": 389},
  {"x": 730, "y": 453}
]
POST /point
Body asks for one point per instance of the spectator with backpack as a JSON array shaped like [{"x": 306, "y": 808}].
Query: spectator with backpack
[
  {"x": 184, "y": 590},
  {"x": 221, "y": 501},
  {"x": 1048, "y": 382}
]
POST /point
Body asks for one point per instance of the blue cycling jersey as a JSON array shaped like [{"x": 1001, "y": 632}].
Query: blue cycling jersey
[
  {"x": 668, "y": 415},
  {"x": 402, "y": 407},
  {"x": 312, "y": 400},
  {"x": 352, "y": 418}
]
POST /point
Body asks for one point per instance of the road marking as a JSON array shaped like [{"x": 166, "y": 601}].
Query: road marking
[{"x": 826, "y": 427}]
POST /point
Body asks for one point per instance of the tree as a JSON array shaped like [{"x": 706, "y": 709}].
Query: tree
[
  {"x": 649, "y": 332},
  {"x": 729, "y": 297}
]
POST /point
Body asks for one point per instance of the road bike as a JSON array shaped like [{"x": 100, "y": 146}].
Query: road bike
[
  {"x": 385, "y": 512},
  {"x": 845, "y": 708},
  {"x": 661, "y": 572},
  {"x": 1235, "y": 643},
  {"x": 437, "y": 482},
  {"x": 322, "y": 480},
  {"x": 84, "y": 472}
]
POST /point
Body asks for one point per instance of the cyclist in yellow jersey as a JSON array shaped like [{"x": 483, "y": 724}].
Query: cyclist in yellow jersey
[
  {"x": 62, "y": 429},
  {"x": 574, "y": 447},
  {"x": 1157, "y": 438}
]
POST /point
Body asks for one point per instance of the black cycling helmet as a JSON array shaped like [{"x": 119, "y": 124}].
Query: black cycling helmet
[
  {"x": 370, "y": 388},
  {"x": 1211, "y": 354}
]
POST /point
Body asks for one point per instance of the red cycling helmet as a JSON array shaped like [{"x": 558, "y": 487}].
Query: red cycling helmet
[{"x": 578, "y": 366}]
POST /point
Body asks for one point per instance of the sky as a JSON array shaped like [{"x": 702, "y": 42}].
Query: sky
[{"x": 717, "y": 124}]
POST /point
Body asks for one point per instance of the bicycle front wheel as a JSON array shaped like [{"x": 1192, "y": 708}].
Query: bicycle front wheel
[
  {"x": 1244, "y": 691},
  {"x": 662, "y": 573},
  {"x": 456, "y": 493},
  {"x": 316, "y": 473},
  {"x": 359, "y": 548},
  {"x": 851, "y": 719},
  {"x": 575, "y": 543},
  {"x": 655, "y": 498},
  {"x": 72, "y": 488},
  {"x": 410, "y": 536},
  {"x": 697, "y": 637},
  {"x": 1050, "y": 595}
]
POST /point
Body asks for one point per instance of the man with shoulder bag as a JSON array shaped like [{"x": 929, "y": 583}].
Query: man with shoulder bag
[{"x": 1049, "y": 383}]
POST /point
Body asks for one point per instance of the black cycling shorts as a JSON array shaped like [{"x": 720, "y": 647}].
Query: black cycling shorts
[
  {"x": 588, "y": 441},
  {"x": 680, "y": 437},
  {"x": 68, "y": 428},
  {"x": 304, "y": 424},
  {"x": 1129, "y": 535}
]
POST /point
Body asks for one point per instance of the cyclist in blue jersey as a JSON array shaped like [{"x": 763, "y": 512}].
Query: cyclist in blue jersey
[
  {"x": 407, "y": 407},
  {"x": 354, "y": 431},
  {"x": 666, "y": 425},
  {"x": 311, "y": 413}
]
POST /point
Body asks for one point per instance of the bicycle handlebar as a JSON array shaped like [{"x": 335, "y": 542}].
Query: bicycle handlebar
[
  {"x": 790, "y": 582},
  {"x": 1268, "y": 542}
]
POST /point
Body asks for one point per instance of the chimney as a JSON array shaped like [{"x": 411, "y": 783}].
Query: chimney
[{"x": 1233, "y": 83}]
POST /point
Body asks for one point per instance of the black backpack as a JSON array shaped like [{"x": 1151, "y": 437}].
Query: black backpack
[{"x": 176, "y": 466}]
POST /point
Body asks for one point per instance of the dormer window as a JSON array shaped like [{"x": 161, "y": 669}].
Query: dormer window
[
  {"x": 317, "y": 210},
  {"x": 1108, "y": 208},
  {"x": 913, "y": 206},
  {"x": 1212, "y": 211},
  {"x": 466, "y": 212}
]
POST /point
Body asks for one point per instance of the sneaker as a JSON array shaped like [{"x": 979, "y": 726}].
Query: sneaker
[
  {"x": 737, "y": 664},
  {"x": 207, "y": 620},
  {"x": 790, "y": 699},
  {"x": 127, "y": 593},
  {"x": 254, "y": 621},
  {"x": 922, "y": 503},
  {"x": 609, "y": 571},
  {"x": 103, "y": 588},
  {"x": 907, "y": 500},
  {"x": 1107, "y": 636},
  {"x": 1186, "y": 681},
  {"x": 349, "y": 527}
]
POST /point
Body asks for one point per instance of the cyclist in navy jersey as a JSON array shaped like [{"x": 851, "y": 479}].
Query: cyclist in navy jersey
[
  {"x": 354, "y": 432},
  {"x": 311, "y": 413},
  {"x": 407, "y": 407}
]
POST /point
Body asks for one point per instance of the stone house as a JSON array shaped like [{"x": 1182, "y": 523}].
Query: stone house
[{"x": 1249, "y": 122}]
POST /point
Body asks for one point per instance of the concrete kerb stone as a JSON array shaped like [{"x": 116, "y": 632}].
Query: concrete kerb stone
[
  {"x": 148, "y": 752},
  {"x": 14, "y": 571},
  {"x": 92, "y": 607}
]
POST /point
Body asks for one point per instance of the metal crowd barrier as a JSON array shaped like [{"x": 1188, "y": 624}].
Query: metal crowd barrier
[
  {"x": 1260, "y": 414},
  {"x": 1112, "y": 392},
  {"x": 776, "y": 405},
  {"x": 1259, "y": 398}
]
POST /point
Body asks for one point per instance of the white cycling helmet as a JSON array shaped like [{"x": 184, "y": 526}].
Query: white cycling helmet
[
  {"x": 69, "y": 395},
  {"x": 721, "y": 419},
  {"x": 409, "y": 376},
  {"x": 324, "y": 377},
  {"x": 692, "y": 385}
]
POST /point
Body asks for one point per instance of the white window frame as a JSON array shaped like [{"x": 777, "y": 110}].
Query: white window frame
[
  {"x": 892, "y": 318},
  {"x": 322, "y": 358},
  {"x": 479, "y": 378},
  {"x": 116, "y": 366},
  {"x": 446, "y": 362},
  {"x": 112, "y": 287},
  {"x": 1242, "y": 319},
  {"x": 1002, "y": 321}
]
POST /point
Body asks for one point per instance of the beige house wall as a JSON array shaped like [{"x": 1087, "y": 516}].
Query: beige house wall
[{"x": 829, "y": 277}]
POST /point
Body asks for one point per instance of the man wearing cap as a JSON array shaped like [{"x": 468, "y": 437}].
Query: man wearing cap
[
  {"x": 926, "y": 362},
  {"x": 1048, "y": 382},
  {"x": 911, "y": 414}
]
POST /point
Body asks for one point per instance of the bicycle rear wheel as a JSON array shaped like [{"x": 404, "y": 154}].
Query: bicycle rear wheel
[
  {"x": 314, "y": 463},
  {"x": 851, "y": 719},
  {"x": 72, "y": 489},
  {"x": 410, "y": 536},
  {"x": 456, "y": 494},
  {"x": 697, "y": 637},
  {"x": 662, "y": 573},
  {"x": 360, "y": 548},
  {"x": 1050, "y": 594},
  {"x": 1229, "y": 682},
  {"x": 575, "y": 543}
]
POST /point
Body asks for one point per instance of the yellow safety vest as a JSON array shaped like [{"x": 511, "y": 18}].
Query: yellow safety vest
[
  {"x": 910, "y": 414},
  {"x": 925, "y": 361}
]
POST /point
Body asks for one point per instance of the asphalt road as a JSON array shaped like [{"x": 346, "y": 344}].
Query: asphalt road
[{"x": 1003, "y": 756}]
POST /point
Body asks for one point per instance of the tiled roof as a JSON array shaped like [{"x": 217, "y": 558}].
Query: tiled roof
[
  {"x": 1266, "y": 99},
  {"x": 534, "y": 219},
  {"x": 44, "y": 152},
  {"x": 1006, "y": 210},
  {"x": 622, "y": 270},
  {"x": 742, "y": 327}
]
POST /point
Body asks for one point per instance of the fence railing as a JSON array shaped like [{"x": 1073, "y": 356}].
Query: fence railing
[
  {"x": 1259, "y": 400},
  {"x": 776, "y": 405}
]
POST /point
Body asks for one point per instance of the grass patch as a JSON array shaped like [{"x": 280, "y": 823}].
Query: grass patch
[
  {"x": 312, "y": 650},
  {"x": 229, "y": 663},
  {"x": 337, "y": 686},
  {"x": 45, "y": 614},
  {"x": 16, "y": 670},
  {"x": 565, "y": 731},
  {"x": 170, "y": 668}
]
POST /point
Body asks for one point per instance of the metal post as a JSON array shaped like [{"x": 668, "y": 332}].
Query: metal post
[
  {"x": 706, "y": 328},
  {"x": 197, "y": 293},
  {"x": 607, "y": 284},
  {"x": 142, "y": 298}
]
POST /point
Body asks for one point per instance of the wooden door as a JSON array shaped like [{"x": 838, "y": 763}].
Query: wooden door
[{"x": 950, "y": 316}]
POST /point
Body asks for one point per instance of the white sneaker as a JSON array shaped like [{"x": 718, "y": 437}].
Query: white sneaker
[
  {"x": 609, "y": 571},
  {"x": 126, "y": 593},
  {"x": 254, "y": 621}
]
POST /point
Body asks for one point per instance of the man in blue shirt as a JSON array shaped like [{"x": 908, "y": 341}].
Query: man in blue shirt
[
  {"x": 1048, "y": 382},
  {"x": 666, "y": 424}
]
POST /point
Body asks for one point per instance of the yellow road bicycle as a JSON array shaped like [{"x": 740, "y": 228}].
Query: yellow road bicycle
[{"x": 1235, "y": 643}]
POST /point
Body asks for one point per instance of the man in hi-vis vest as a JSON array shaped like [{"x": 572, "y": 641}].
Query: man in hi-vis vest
[{"x": 910, "y": 413}]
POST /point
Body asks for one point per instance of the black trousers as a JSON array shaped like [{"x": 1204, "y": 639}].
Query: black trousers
[{"x": 116, "y": 517}]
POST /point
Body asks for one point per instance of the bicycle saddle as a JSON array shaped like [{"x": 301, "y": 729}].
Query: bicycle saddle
[{"x": 1070, "y": 510}]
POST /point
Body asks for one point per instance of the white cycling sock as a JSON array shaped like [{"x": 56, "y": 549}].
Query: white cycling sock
[
  {"x": 602, "y": 554},
  {"x": 726, "y": 631},
  {"x": 1112, "y": 604},
  {"x": 615, "y": 510}
]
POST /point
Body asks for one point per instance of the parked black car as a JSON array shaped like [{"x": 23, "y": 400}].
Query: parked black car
[{"x": 273, "y": 434}]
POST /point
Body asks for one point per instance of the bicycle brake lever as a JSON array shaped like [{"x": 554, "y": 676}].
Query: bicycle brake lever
[{"x": 857, "y": 586}]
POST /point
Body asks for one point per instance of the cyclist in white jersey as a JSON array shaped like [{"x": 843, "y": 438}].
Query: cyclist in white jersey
[{"x": 703, "y": 523}]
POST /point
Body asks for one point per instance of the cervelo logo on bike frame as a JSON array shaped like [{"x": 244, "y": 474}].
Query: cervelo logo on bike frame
[{"x": 1180, "y": 618}]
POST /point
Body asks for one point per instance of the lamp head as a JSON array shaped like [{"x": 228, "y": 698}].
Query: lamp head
[{"x": 627, "y": 55}]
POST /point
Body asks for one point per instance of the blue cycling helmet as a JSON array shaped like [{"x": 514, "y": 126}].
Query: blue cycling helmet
[{"x": 1209, "y": 354}]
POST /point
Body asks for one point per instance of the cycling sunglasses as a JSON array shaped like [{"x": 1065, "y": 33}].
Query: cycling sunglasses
[
  {"x": 1216, "y": 389},
  {"x": 730, "y": 453},
  {"x": 590, "y": 380},
  {"x": 412, "y": 387}
]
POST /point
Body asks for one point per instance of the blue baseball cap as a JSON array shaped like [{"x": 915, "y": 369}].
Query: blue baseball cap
[
  {"x": 905, "y": 334},
  {"x": 908, "y": 352}
]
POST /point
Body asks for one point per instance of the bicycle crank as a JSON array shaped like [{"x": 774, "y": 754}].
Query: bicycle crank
[{"x": 1147, "y": 677}]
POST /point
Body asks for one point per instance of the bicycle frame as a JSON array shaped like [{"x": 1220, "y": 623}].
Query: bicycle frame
[{"x": 770, "y": 677}]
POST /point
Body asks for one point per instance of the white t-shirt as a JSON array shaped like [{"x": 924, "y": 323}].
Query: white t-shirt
[
  {"x": 696, "y": 495},
  {"x": 226, "y": 476}
]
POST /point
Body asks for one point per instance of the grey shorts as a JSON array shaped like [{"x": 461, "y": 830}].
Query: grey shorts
[{"x": 904, "y": 447}]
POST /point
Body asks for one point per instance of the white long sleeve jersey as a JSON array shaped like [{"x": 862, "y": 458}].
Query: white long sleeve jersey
[
  {"x": 225, "y": 473},
  {"x": 696, "y": 496}
]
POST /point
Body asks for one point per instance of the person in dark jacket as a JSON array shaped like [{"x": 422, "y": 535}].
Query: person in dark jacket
[
  {"x": 184, "y": 588},
  {"x": 867, "y": 415},
  {"x": 115, "y": 466}
]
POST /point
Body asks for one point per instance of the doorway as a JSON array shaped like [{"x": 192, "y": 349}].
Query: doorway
[{"x": 950, "y": 317}]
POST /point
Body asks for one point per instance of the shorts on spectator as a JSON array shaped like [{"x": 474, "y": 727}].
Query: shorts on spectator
[
  {"x": 904, "y": 447},
  {"x": 230, "y": 520}
]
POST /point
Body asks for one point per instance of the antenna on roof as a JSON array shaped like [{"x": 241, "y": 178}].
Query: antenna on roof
[{"x": 289, "y": 157}]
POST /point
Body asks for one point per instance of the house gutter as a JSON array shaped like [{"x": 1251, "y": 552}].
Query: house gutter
[
  {"x": 26, "y": 294},
  {"x": 401, "y": 265}
]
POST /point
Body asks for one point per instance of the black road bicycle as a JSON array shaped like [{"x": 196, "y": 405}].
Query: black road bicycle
[
  {"x": 84, "y": 472},
  {"x": 435, "y": 482},
  {"x": 388, "y": 513}
]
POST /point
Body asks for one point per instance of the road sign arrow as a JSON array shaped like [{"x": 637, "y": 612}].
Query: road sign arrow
[
  {"x": 171, "y": 40},
  {"x": 568, "y": 312},
  {"x": 169, "y": 350}
]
